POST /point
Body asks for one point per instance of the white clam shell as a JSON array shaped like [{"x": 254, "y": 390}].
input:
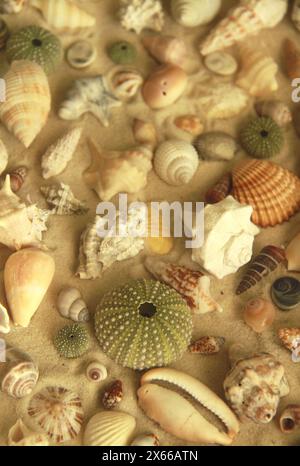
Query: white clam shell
[
  {"x": 176, "y": 162},
  {"x": 191, "y": 13},
  {"x": 109, "y": 428}
]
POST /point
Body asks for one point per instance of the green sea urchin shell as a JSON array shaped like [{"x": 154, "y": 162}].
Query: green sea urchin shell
[
  {"x": 35, "y": 44},
  {"x": 143, "y": 324},
  {"x": 262, "y": 138},
  {"x": 71, "y": 341},
  {"x": 122, "y": 53}
]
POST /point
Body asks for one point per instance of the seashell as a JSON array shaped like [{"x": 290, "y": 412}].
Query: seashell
[
  {"x": 192, "y": 285},
  {"x": 246, "y": 19},
  {"x": 269, "y": 258},
  {"x": 190, "y": 124},
  {"x": 285, "y": 293},
  {"x": 275, "y": 109},
  {"x": 164, "y": 86},
  {"x": 146, "y": 440},
  {"x": 227, "y": 242},
  {"x": 61, "y": 198},
  {"x": 290, "y": 419},
  {"x": 27, "y": 276},
  {"x": 4, "y": 33},
  {"x": 259, "y": 374},
  {"x": 11, "y": 6},
  {"x": 113, "y": 395},
  {"x": 176, "y": 162},
  {"x": 3, "y": 157},
  {"x": 216, "y": 145},
  {"x": 144, "y": 133},
  {"x": 96, "y": 372},
  {"x": 17, "y": 178},
  {"x": 292, "y": 254},
  {"x": 191, "y": 13},
  {"x": 258, "y": 72},
  {"x": 121, "y": 172},
  {"x": 20, "y": 374},
  {"x": 296, "y": 14},
  {"x": 166, "y": 49},
  {"x": 89, "y": 265},
  {"x": 220, "y": 191},
  {"x": 58, "y": 412},
  {"x": 136, "y": 15},
  {"x": 290, "y": 338},
  {"x": 124, "y": 82},
  {"x": 59, "y": 154},
  {"x": 4, "y": 320},
  {"x": 122, "y": 53},
  {"x": 71, "y": 305},
  {"x": 81, "y": 54},
  {"x": 64, "y": 15},
  {"x": 259, "y": 314},
  {"x": 20, "y": 436},
  {"x": 158, "y": 240},
  {"x": 160, "y": 404},
  {"x": 143, "y": 304},
  {"x": 28, "y": 100},
  {"x": 207, "y": 345},
  {"x": 221, "y": 63},
  {"x": 109, "y": 428},
  {"x": 291, "y": 59},
  {"x": 72, "y": 341},
  {"x": 89, "y": 95}
]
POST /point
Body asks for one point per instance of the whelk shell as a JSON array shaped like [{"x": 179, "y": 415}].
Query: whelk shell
[
  {"x": 292, "y": 253},
  {"x": 290, "y": 419},
  {"x": 96, "y": 372},
  {"x": 109, "y": 428},
  {"x": 207, "y": 345},
  {"x": 20, "y": 436},
  {"x": 191, "y": 13},
  {"x": 71, "y": 305},
  {"x": 166, "y": 49},
  {"x": 259, "y": 314}
]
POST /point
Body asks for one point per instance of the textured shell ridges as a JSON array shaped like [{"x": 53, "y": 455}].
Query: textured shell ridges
[{"x": 109, "y": 428}]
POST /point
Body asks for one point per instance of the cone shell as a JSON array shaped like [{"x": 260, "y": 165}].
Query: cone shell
[
  {"x": 291, "y": 57},
  {"x": 176, "y": 162},
  {"x": 63, "y": 15},
  {"x": 266, "y": 262},
  {"x": 166, "y": 49},
  {"x": 109, "y": 428},
  {"x": 27, "y": 277},
  {"x": 20, "y": 436},
  {"x": 293, "y": 254},
  {"x": 259, "y": 314},
  {"x": 191, "y": 13},
  {"x": 28, "y": 100},
  {"x": 58, "y": 412}
]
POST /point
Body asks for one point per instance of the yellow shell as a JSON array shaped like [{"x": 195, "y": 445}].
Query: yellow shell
[
  {"x": 160, "y": 244},
  {"x": 109, "y": 428},
  {"x": 28, "y": 101}
]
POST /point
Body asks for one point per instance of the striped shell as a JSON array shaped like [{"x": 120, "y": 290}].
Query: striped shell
[
  {"x": 109, "y": 429},
  {"x": 28, "y": 100},
  {"x": 191, "y": 13},
  {"x": 266, "y": 262},
  {"x": 58, "y": 412},
  {"x": 20, "y": 374},
  {"x": 220, "y": 190},
  {"x": 176, "y": 162},
  {"x": 63, "y": 15}
]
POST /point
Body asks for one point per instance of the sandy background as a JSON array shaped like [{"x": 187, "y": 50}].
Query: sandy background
[{"x": 64, "y": 233}]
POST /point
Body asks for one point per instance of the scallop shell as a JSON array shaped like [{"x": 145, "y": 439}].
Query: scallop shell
[
  {"x": 176, "y": 162},
  {"x": 266, "y": 262},
  {"x": 62, "y": 200},
  {"x": 59, "y": 154},
  {"x": 191, "y": 13},
  {"x": 64, "y": 15},
  {"x": 20, "y": 436},
  {"x": 275, "y": 109},
  {"x": 291, "y": 58},
  {"x": 109, "y": 428},
  {"x": 4, "y": 320},
  {"x": 58, "y": 412},
  {"x": 246, "y": 19},
  {"x": 216, "y": 145},
  {"x": 166, "y": 49},
  {"x": 296, "y": 14},
  {"x": 19, "y": 374},
  {"x": 136, "y": 15},
  {"x": 146, "y": 440},
  {"x": 96, "y": 372},
  {"x": 259, "y": 314},
  {"x": 290, "y": 419},
  {"x": 293, "y": 254},
  {"x": 258, "y": 72},
  {"x": 3, "y": 157},
  {"x": 71, "y": 305},
  {"x": 11, "y": 6},
  {"x": 28, "y": 100}
]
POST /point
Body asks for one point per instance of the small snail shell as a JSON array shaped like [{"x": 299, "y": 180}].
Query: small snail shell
[
  {"x": 96, "y": 372},
  {"x": 19, "y": 375},
  {"x": 71, "y": 305},
  {"x": 259, "y": 314},
  {"x": 290, "y": 419}
]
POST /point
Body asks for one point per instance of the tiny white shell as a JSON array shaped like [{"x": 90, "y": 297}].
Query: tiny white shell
[
  {"x": 71, "y": 305},
  {"x": 109, "y": 428},
  {"x": 96, "y": 372}
]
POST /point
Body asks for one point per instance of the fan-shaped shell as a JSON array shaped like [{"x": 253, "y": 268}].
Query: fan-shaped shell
[
  {"x": 176, "y": 162},
  {"x": 58, "y": 412},
  {"x": 191, "y": 13},
  {"x": 28, "y": 100},
  {"x": 109, "y": 428}
]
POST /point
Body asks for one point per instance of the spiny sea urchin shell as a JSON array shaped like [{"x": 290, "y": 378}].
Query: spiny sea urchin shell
[
  {"x": 262, "y": 138},
  {"x": 71, "y": 341},
  {"x": 143, "y": 324}
]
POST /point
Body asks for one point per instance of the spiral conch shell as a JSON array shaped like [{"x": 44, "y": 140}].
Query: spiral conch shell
[
  {"x": 136, "y": 15},
  {"x": 188, "y": 424},
  {"x": 229, "y": 236},
  {"x": 176, "y": 162},
  {"x": 191, "y": 13},
  {"x": 71, "y": 305},
  {"x": 63, "y": 15},
  {"x": 28, "y": 100},
  {"x": 109, "y": 428},
  {"x": 20, "y": 436},
  {"x": 3, "y": 157},
  {"x": 246, "y": 19}
]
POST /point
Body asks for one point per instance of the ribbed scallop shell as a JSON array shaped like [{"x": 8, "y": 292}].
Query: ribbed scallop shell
[
  {"x": 190, "y": 13},
  {"x": 28, "y": 100},
  {"x": 58, "y": 412},
  {"x": 176, "y": 162},
  {"x": 109, "y": 429},
  {"x": 272, "y": 191},
  {"x": 20, "y": 380}
]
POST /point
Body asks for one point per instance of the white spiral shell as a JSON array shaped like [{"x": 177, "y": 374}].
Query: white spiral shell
[
  {"x": 109, "y": 428},
  {"x": 191, "y": 13},
  {"x": 71, "y": 305},
  {"x": 176, "y": 162}
]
